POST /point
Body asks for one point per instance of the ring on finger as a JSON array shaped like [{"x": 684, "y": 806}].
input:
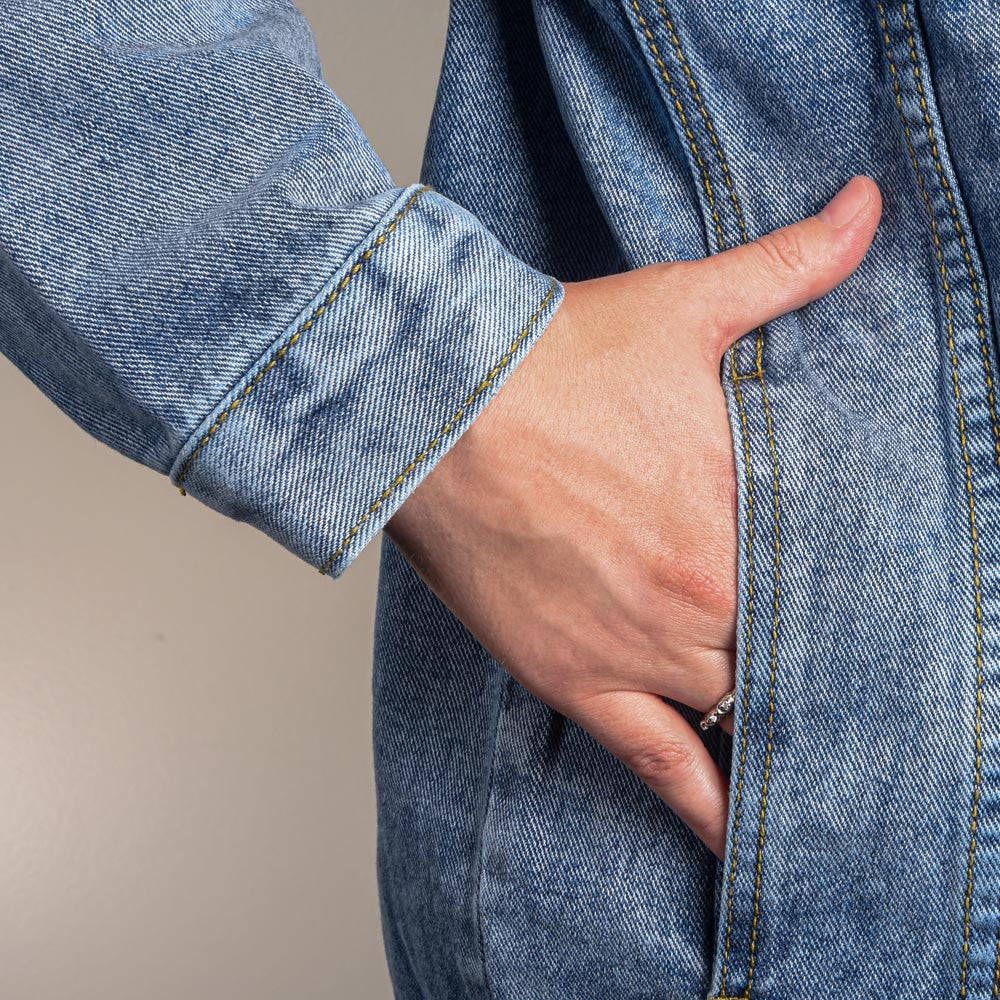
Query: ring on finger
[{"x": 722, "y": 707}]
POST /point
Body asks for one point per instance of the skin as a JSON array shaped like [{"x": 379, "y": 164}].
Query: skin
[{"x": 584, "y": 526}]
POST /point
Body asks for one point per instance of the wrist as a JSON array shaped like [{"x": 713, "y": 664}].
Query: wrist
[{"x": 487, "y": 441}]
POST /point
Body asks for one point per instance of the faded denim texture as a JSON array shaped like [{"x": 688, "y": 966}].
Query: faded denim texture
[{"x": 205, "y": 264}]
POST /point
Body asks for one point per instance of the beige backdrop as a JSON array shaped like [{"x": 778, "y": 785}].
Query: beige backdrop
[{"x": 185, "y": 763}]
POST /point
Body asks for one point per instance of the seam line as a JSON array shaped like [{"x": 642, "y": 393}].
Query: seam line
[
  {"x": 737, "y": 378},
  {"x": 765, "y": 784},
  {"x": 981, "y": 327},
  {"x": 759, "y": 374},
  {"x": 977, "y": 296},
  {"x": 970, "y": 489},
  {"x": 772, "y": 446},
  {"x": 727, "y": 176},
  {"x": 295, "y": 337},
  {"x": 436, "y": 440},
  {"x": 705, "y": 180}
]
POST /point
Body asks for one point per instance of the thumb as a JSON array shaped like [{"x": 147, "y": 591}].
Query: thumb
[{"x": 756, "y": 282}]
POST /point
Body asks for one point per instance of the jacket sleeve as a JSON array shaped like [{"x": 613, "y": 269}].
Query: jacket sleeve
[{"x": 204, "y": 263}]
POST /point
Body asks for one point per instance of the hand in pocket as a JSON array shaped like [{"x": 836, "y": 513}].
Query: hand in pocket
[{"x": 584, "y": 528}]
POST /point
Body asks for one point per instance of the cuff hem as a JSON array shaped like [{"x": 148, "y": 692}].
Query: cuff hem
[
  {"x": 371, "y": 384},
  {"x": 451, "y": 425}
]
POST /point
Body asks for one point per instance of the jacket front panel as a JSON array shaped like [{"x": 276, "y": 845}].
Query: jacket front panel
[
  {"x": 206, "y": 265},
  {"x": 862, "y": 844}
]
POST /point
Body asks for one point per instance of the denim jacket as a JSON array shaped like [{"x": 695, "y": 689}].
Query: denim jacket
[{"x": 204, "y": 263}]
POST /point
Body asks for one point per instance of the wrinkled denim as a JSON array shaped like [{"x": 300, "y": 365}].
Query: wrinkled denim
[{"x": 204, "y": 263}]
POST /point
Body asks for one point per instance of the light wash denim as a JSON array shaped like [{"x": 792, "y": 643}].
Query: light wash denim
[{"x": 205, "y": 264}]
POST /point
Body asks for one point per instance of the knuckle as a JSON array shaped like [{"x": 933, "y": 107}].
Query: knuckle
[
  {"x": 694, "y": 580},
  {"x": 784, "y": 250},
  {"x": 665, "y": 762}
]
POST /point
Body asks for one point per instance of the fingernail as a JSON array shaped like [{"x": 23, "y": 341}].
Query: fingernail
[{"x": 846, "y": 203}]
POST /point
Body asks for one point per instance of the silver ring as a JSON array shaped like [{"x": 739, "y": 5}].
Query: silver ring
[{"x": 722, "y": 707}]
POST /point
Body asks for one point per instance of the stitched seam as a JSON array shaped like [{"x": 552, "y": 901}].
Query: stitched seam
[
  {"x": 727, "y": 177},
  {"x": 980, "y": 324},
  {"x": 771, "y": 686},
  {"x": 436, "y": 440},
  {"x": 759, "y": 374},
  {"x": 963, "y": 242},
  {"x": 704, "y": 114},
  {"x": 748, "y": 657},
  {"x": 295, "y": 337},
  {"x": 706, "y": 181},
  {"x": 970, "y": 490},
  {"x": 977, "y": 783}
]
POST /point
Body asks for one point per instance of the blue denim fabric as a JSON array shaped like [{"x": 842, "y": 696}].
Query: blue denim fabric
[
  {"x": 203, "y": 262},
  {"x": 207, "y": 266}
]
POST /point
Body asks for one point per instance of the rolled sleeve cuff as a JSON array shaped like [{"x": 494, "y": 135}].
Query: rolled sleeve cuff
[{"x": 357, "y": 400}]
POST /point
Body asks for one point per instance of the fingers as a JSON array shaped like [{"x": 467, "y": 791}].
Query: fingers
[
  {"x": 751, "y": 284},
  {"x": 698, "y": 677},
  {"x": 655, "y": 741}
]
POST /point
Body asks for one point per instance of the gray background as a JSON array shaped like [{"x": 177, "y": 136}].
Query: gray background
[{"x": 188, "y": 805}]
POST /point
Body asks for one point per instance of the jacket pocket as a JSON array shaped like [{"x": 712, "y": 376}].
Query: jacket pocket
[{"x": 740, "y": 880}]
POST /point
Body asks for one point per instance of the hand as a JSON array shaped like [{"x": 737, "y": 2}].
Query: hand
[{"x": 583, "y": 527}]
